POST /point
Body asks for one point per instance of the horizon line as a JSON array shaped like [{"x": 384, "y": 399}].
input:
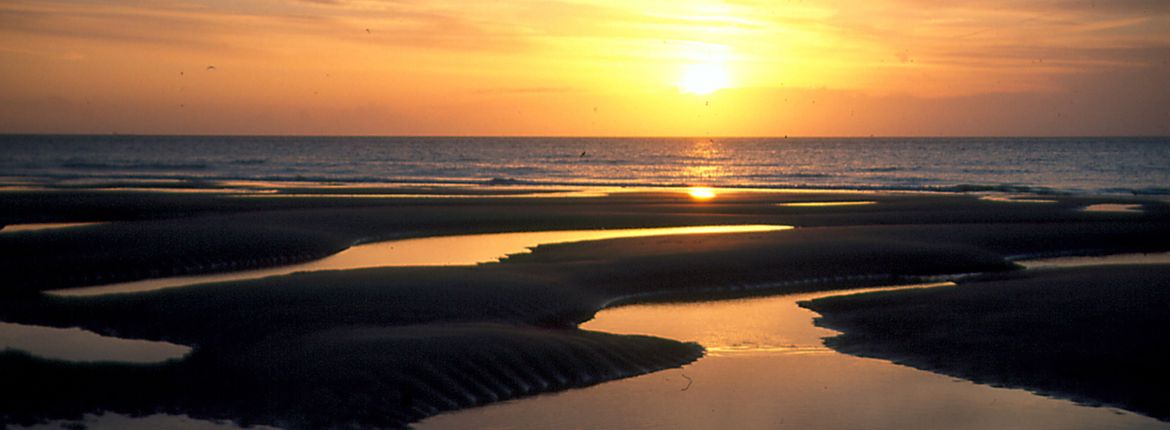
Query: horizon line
[{"x": 538, "y": 136}]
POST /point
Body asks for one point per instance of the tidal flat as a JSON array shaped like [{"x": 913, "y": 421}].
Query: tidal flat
[{"x": 389, "y": 346}]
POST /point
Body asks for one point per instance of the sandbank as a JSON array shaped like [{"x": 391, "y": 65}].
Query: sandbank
[
  {"x": 384, "y": 347},
  {"x": 1092, "y": 334}
]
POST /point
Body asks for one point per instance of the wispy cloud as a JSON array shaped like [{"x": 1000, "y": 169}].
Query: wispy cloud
[
  {"x": 466, "y": 55},
  {"x": 526, "y": 90}
]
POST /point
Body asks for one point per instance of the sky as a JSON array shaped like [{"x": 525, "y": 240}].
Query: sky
[{"x": 587, "y": 67}]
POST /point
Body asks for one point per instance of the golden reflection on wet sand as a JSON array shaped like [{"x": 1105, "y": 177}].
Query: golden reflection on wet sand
[
  {"x": 755, "y": 325},
  {"x": 74, "y": 344},
  {"x": 430, "y": 251},
  {"x": 1107, "y": 260},
  {"x": 15, "y": 228},
  {"x": 1113, "y": 207}
]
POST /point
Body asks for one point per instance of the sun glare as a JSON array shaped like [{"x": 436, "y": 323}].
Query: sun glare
[
  {"x": 703, "y": 78},
  {"x": 701, "y": 193}
]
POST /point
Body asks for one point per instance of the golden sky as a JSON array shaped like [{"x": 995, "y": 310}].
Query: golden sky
[{"x": 588, "y": 67}]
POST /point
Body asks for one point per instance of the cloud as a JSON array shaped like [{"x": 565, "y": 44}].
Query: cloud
[
  {"x": 163, "y": 26},
  {"x": 922, "y": 58},
  {"x": 177, "y": 25},
  {"x": 526, "y": 90}
]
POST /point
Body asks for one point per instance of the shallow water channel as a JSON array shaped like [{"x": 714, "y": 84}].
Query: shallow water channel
[
  {"x": 767, "y": 368},
  {"x": 766, "y": 365},
  {"x": 427, "y": 251}
]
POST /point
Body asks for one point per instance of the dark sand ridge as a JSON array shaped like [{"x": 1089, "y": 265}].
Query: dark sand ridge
[
  {"x": 383, "y": 347},
  {"x": 429, "y": 326},
  {"x": 1095, "y": 335},
  {"x": 176, "y": 234}
]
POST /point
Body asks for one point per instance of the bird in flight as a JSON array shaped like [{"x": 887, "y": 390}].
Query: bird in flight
[{"x": 210, "y": 67}]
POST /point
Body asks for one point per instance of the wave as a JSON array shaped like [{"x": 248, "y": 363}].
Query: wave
[
  {"x": 89, "y": 165},
  {"x": 207, "y": 173},
  {"x": 1147, "y": 191},
  {"x": 789, "y": 175},
  {"x": 809, "y": 175},
  {"x": 249, "y": 162},
  {"x": 1002, "y": 188},
  {"x": 881, "y": 169},
  {"x": 506, "y": 181},
  {"x": 915, "y": 185}
]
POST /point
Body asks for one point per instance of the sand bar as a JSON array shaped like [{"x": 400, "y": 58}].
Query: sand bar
[
  {"x": 1084, "y": 333},
  {"x": 272, "y": 350}
]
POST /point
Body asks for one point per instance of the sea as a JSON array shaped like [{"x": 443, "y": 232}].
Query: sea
[{"x": 1035, "y": 165}]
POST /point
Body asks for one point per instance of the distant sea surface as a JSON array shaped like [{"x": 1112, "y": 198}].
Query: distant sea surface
[{"x": 1091, "y": 165}]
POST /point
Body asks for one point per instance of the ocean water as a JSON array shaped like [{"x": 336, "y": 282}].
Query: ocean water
[{"x": 1091, "y": 165}]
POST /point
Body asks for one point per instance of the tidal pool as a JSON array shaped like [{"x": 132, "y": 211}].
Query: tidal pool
[
  {"x": 1104, "y": 260},
  {"x": 74, "y": 344},
  {"x": 428, "y": 251},
  {"x": 16, "y": 228},
  {"x": 767, "y": 368},
  {"x": 1113, "y": 207}
]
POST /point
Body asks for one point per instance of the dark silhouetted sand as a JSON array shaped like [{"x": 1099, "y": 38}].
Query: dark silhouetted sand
[
  {"x": 385, "y": 347},
  {"x": 1096, "y": 335}
]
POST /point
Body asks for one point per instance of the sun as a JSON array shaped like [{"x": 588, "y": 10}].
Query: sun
[
  {"x": 701, "y": 193},
  {"x": 703, "y": 78}
]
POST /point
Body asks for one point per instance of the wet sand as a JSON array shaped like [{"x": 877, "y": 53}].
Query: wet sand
[
  {"x": 767, "y": 368},
  {"x": 1092, "y": 334},
  {"x": 384, "y": 347}
]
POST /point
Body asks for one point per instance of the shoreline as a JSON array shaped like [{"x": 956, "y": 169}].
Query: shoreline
[{"x": 509, "y": 187}]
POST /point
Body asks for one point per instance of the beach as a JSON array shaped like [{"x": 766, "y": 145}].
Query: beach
[
  {"x": 388, "y": 346},
  {"x": 584, "y": 214}
]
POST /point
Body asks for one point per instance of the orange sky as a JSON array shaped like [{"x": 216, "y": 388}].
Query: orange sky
[{"x": 588, "y": 67}]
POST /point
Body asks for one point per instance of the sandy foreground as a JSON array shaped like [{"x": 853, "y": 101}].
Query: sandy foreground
[
  {"x": 1093, "y": 335},
  {"x": 384, "y": 347}
]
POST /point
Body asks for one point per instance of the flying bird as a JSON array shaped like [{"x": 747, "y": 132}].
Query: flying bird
[{"x": 210, "y": 67}]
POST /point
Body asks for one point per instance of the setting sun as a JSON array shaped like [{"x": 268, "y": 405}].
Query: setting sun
[
  {"x": 701, "y": 193},
  {"x": 703, "y": 79}
]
